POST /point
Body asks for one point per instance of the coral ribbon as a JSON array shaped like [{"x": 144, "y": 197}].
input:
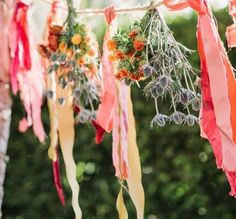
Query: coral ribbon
[
  {"x": 219, "y": 91},
  {"x": 106, "y": 108}
]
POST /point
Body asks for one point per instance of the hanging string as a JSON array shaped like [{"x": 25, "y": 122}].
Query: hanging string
[{"x": 118, "y": 10}]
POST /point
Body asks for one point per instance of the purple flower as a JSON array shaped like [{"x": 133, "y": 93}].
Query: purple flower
[
  {"x": 164, "y": 81},
  {"x": 196, "y": 104},
  {"x": 50, "y": 94},
  {"x": 178, "y": 118},
  {"x": 191, "y": 120},
  {"x": 159, "y": 120},
  {"x": 147, "y": 70}
]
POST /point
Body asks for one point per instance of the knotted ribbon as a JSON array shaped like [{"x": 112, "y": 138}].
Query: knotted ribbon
[{"x": 218, "y": 122}]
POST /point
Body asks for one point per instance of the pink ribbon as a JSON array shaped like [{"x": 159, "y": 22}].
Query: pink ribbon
[
  {"x": 119, "y": 133},
  {"x": 19, "y": 37},
  {"x": 26, "y": 76}
]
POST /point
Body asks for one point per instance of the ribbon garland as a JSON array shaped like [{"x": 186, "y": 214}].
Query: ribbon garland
[{"x": 115, "y": 112}]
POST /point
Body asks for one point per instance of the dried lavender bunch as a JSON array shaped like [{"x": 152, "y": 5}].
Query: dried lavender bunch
[{"x": 169, "y": 72}]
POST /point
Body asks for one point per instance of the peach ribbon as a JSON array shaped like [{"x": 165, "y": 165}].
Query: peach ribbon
[
  {"x": 66, "y": 137},
  {"x": 63, "y": 129},
  {"x": 134, "y": 180}
]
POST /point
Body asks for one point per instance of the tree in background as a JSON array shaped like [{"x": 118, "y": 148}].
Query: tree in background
[{"x": 179, "y": 172}]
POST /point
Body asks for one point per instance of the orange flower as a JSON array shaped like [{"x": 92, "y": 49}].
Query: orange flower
[
  {"x": 53, "y": 42},
  {"x": 62, "y": 46},
  {"x": 136, "y": 77},
  {"x": 122, "y": 74},
  {"x": 130, "y": 54},
  {"x": 80, "y": 61},
  {"x": 118, "y": 76},
  {"x": 91, "y": 52},
  {"x": 76, "y": 39},
  {"x": 112, "y": 58},
  {"x": 69, "y": 52},
  {"x": 132, "y": 34},
  {"x": 43, "y": 51},
  {"x": 94, "y": 70},
  {"x": 111, "y": 44},
  {"x": 56, "y": 30},
  {"x": 138, "y": 45},
  {"x": 119, "y": 55},
  {"x": 133, "y": 77}
]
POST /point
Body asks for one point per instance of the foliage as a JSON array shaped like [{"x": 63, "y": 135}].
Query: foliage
[{"x": 179, "y": 171}]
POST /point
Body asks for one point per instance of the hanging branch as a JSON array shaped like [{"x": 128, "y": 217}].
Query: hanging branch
[{"x": 117, "y": 10}]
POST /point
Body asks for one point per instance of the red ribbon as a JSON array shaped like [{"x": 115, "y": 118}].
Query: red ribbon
[{"x": 57, "y": 179}]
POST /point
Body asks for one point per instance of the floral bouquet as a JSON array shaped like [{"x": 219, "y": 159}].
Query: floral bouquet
[
  {"x": 73, "y": 54},
  {"x": 148, "y": 51}
]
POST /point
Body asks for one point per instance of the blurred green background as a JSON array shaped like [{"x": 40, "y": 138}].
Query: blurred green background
[{"x": 180, "y": 177}]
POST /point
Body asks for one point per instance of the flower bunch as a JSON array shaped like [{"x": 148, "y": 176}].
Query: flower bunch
[
  {"x": 73, "y": 54},
  {"x": 128, "y": 49},
  {"x": 149, "y": 51}
]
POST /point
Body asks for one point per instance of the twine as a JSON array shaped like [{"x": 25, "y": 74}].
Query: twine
[{"x": 118, "y": 10}]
